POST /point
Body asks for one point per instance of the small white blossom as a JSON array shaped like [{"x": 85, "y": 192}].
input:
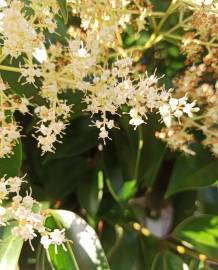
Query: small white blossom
[{"x": 45, "y": 241}]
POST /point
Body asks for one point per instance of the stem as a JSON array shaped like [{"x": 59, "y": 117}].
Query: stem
[
  {"x": 154, "y": 24},
  {"x": 209, "y": 44},
  {"x": 8, "y": 68},
  {"x": 139, "y": 152},
  {"x": 178, "y": 25},
  {"x": 112, "y": 192},
  {"x": 169, "y": 11}
]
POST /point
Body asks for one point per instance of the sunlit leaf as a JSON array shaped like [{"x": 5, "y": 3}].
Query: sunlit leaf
[
  {"x": 10, "y": 248},
  {"x": 201, "y": 232},
  {"x": 191, "y": 172},
  {"x": 85, "y": 249},
  {"x": 128, "y": 189}
]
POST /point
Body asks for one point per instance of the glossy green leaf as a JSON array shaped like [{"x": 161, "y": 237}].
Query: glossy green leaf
[
  {"x": 63, "y": 7},
  {"x": 42, "y": 262},
  {"x": 191, "y": 172},
  {"x": 11, "y": 165},
  {"x": 85, "y": 249},
  {"x": 152, "y": 155},
  {"x": 10, "y": 248},
  {"x": 167, "y": 261},
  {"x": 128, "y": 189},
  {"x": 201, "y": 232}
]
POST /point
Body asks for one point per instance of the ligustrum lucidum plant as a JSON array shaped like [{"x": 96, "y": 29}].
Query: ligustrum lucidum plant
[{"x": 108, "y": 109}]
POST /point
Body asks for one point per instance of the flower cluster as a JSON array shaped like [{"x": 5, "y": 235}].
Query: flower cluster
[
  {"x": 84, "y": 62},
  {"x": 193, "y": 83},
  {"x": 9, "y": 130},
  {"x": 115, "y": 87},
  {"x": 199, "y": 44},
  {"x": 18, "y": 35},
  {"x": 198, "y": 80},
  {"x": 203, "y": 30},
  {"x": 96, "y": 14},
  {"x": 20, "y": 209},
  {"x": 52, "y": 124}
]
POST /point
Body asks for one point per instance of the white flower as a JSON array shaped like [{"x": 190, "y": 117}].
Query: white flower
[
  {"x": 14, "y": 183},
  {"x": 28, "y": 201},
  {"x": 103, "y": 133},
  {"x": 82, "y": 52},
  {"x": 29, "y": 73},
  {"x": 173, "y": 103},
  {"x": 45, "y": 241},
  {"x": 189, "y": 108},
  {"x": 58, "y": 236},
  {"x": 110, "y": 124},
  {"x": 136, "y": 121},
  {"x": 26, "y": 231}
]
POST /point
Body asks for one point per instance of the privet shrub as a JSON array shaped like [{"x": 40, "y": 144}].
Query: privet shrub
[{"x": 108, "y": 110}]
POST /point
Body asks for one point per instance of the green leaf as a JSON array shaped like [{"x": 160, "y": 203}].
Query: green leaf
[
  {"x": 167, "y": 261},
  {"x": 10, "y": 248},
  {"x": 42, "y": 262},
  {"x": 11, "y": 165},
  {"x": 192, "y": 172},
  {"x": 75, "y": 169},
  {"x": 173, "y": 51},
  {"x": 119, "y": 162},
  {"x": 201, "y": 232},
  {"x": 63, "y": 7},
  {"x": 125, "y": 253},
  {"x": 92, "y": 199},
  {"x": 149, "y": 247},
  {"x": 128, "y": 190},
  {"x": 85, "y": 249},
  {"x": 152, "y": 153},
  {"x": 208, "y": 198},
  {"x": 129, "y": 250}
]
